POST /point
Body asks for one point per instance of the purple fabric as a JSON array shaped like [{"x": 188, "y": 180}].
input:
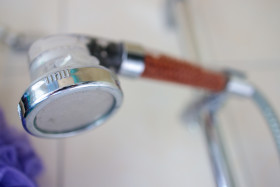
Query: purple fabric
[{"x": 19, "y": 164}]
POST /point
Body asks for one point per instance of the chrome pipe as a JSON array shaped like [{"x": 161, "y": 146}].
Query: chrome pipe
[
  {"x": 220, "y": 166},
  {"x": 203, "y": 112},
  {"x": 216, "y": 151}
]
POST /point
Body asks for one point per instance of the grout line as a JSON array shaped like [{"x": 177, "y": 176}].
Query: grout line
[
  {"x": 209, "y": 50},
  {"x": 60, "y": 162},
  {"x": 250, "y": 65},
  {"x": 238, "y": 143},
  {"x": 62, "y": 27},
  {"x": 208, "y": 37},
  {"x": 234, "y": 148},
  {"x": 63, "y": 16},
  {"x": 188, "y": 28},
  {"x": 185, "y": 31}
]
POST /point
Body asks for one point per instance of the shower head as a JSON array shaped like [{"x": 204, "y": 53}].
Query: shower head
[
  {"x": 69, "y": 101},
  {"x": 74, "y": 84},
  {"x": 70, "y": 91}
]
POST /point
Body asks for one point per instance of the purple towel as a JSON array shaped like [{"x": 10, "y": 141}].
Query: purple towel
[{"x": 19, "y": 164}]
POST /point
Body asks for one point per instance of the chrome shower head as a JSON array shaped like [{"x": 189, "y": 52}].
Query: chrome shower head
[
  {"x": 74, "y": 84},
  {"x": 70, "y": 91}
]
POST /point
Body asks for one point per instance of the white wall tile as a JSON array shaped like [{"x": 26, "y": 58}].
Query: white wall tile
[
  {"x": 14, "y": 80},
  {"x": 238, "y": 31},
  {"x": 133, "y": 20},
  {"x": 26, "y": 16},
  {"x": 255, "y": 157},
  {"x": 144, "y": 144},
  {"x": 29, "y": 15},
  {"x": 244, "y": 35}
]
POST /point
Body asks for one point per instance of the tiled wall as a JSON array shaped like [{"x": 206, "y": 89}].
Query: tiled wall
[
  {"x": 244, "y": 35},
  {"x": 145, "y": 143}
]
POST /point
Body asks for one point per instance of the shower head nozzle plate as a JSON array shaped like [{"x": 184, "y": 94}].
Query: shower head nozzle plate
[{"x": 69, "y": 101}]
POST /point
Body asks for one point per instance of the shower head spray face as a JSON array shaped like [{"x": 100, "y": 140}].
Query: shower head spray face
[{"x": 70, "y": 92}]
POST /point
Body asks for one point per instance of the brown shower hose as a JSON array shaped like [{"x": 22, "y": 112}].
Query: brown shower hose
[{"x": 179, "y": 71}]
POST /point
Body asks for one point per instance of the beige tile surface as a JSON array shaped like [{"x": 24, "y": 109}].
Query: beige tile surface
[
  {"x": 248, "y": 138},
  {"x": 244, "y": 36},
  {"x": 30, "y": 15},
  {"x": 133, "y": 20},
  {"x": 145, "y": 144},
  {"x": 238, "y": 31},
  {"x": 14, "y": 80},
  {"x": 26, "y": 16},
  {"x": 145, "y": 148}
]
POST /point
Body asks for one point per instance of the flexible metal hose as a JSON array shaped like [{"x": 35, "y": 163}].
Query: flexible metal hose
[{"x": 269, "y": 115}]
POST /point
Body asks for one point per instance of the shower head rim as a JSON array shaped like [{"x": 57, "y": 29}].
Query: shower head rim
[{"x": 53, "y": 85}]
